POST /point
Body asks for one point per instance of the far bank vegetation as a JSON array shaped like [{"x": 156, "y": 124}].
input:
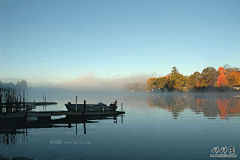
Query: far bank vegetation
[{"x": 224, "y": 78}]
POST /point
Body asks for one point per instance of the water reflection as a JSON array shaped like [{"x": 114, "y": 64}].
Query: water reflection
[
  {"x": 13, "y": 136},
  {"x": 209, "y": 106},
  {"x": 228, "y": 107},
  {"x": 85, "y": 121}
]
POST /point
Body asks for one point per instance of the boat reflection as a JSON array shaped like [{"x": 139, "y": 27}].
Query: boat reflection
[
  {"x": 11, "y": 134},
  {"x": 210, "y": 107}
]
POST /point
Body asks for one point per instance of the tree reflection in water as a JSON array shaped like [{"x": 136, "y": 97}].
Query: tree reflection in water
[
  {"x": 209, "y": 106},
  {"x": 228, "y": 107}
]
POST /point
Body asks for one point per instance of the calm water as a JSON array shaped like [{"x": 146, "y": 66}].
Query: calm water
[{"x": 155, "y": 126}]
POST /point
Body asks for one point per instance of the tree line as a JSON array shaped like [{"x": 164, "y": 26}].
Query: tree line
[
  {"x": 10, "y": 92},
  {"x": 209, "y": 79},
  {"x": 22, "y": 85}
]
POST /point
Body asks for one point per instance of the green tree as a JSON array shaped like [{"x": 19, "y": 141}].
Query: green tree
[
  {"x": 209, "y": 77},
  {"x": 162, "y": 82},
  {"x": 176, "y": 81}
]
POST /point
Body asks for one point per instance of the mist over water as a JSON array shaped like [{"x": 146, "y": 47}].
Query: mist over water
[
  {"x": 210, "y": 104},
  {"x": 156, "y": 126},
  {"x": 102, "y": 51},
  {"x": 91, "y": 81}
]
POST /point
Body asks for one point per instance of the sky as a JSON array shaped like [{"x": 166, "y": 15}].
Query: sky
[{"x": 71, "y": 41}]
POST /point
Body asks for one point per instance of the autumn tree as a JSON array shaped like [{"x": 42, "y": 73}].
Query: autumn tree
[
  {"x": 198, "y": 83},
  {"x": 208, "y": 77},
  {"x": 151, "y": 83},
  {"x": 162, "y": 82},
  {"x": 180, "y": 82},
  {"x": 222, "y": 79},
  {"x": 233, "y": 76},
  {"x": 192, "y": 80},
  {"x": 177, "y": 81}
]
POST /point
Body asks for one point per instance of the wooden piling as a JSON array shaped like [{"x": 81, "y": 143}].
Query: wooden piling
[
  {"x": 76, "y": 104},
  {"x": 84, "y": 106}
]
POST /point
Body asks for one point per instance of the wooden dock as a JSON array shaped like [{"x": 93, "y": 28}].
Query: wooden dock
[
  {"x": 25, "y": 103},
  {"x": 41, "y": 103},
  {"x": 58, "y": 113},
  {"x": 44, "y": 119}
]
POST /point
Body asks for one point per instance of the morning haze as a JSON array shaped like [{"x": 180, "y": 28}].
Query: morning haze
[{"x": 119, "y": 79}]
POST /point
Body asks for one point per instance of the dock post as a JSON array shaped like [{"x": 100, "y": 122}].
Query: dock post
[
  {"x": 76, "y": 104},
  {"x": 43, "y": 97},
  {"x": 27, "y": 109},
  {"x": 84, "y": 106},
  {"x": 121, "y": 106},
  {"x": 24, "y": 100}
]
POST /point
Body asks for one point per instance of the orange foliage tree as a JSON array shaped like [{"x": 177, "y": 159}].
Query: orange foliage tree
[
  {"x": 222, "y": 79},
  {"x": 151, "y": 83},
  {"x": 234, "y": 78},
  {"x": 198, "y": 84}
]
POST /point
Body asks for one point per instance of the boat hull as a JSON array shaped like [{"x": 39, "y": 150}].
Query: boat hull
[{"x": 90, "y": 108}]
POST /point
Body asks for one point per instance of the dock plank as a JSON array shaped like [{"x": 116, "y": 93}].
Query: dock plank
[{"x": 58, "y": 113}]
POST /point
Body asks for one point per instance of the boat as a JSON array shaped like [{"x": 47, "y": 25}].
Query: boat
[
  {"x": 237, "y": 97},
  {"x": 100, "y": 107}
]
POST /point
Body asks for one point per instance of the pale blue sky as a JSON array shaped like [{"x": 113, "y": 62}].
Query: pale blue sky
[{"x": 60, "y": 40}]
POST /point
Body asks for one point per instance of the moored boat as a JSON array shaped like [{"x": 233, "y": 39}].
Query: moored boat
[
  {"x": 100, "y": 107},
  {"x": 237, "y": 97}
]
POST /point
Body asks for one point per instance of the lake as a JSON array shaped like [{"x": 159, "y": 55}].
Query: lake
[{"x": 155, "y": 126}]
